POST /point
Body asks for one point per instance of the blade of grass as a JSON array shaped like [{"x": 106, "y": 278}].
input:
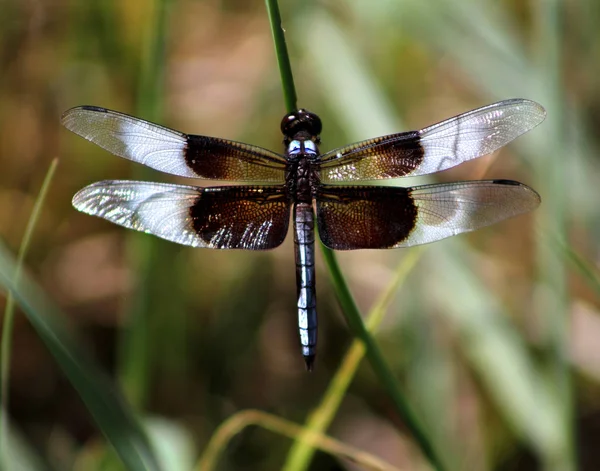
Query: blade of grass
[
  {"x": 22, "y": 454},
  {"x": 236, "y": 423},
  {"x": 283, "y": 59},
  {"x": 9, "y": 312},
  {"x": 106, "y": 405},
  {"x": 377, "y": 361},
  {"x": 319, "y": 420},
  {"x": 344, "y": 296}
]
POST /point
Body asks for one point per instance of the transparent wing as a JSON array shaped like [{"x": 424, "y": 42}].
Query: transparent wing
[
  {"x": 372, "y": 217},
  {"x": 170, "y": 151},
  {"x": 229, "y": 217},
  {"x": 435, "y": 148}
]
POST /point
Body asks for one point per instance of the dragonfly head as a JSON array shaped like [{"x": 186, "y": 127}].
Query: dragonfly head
[{"x": 301, "y": 124}]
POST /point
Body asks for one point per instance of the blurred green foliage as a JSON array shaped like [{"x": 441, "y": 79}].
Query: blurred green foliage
[{"x": 492, "y": 336}]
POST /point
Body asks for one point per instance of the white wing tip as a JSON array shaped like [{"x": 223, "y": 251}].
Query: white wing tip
[
  {"x": 86, "y": 199},
  {"x": 67, "y": 116},
  {"x": 536, "y": 109}
]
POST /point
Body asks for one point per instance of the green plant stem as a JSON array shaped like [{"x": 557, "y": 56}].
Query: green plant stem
[
  {"x": 283, "y": 59},
  {"x": 377, "y": 361},
  {"x": 9, "y": 311},
  {"x": 97, "y": 391},
  {"x": 319, "y": 420},
  {"x": 236, "y": 423},
  {"x": 345, "y": 298}
]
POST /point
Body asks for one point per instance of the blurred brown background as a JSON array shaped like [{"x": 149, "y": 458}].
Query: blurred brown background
[{"x": 486, "y": 330}]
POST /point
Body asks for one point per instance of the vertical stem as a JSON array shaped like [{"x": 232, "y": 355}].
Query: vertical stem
[
  {"x": 9, "y": 313},
  {"x": 319, "y": 420},
  {"x": 378, "y": 363},
  {"x": 283, "y": 59},
  {"x": 344, "y": 296}
]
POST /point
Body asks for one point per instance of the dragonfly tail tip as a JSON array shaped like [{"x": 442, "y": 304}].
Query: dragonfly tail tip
[{"x": 309, "y": 360}]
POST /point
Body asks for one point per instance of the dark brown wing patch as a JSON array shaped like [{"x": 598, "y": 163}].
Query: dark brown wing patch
[
  {"x": 393, "y": 156},
  {"x": 241, "y": 217},
  {"x": 221, "y": 159},
  {"x": 364, "y": 217},
  {"x": 389, "y": 217},
  {"x": 434, "y": 148},
  {"x": 172, "y": 151},
  {"x": 230, "y": 217}
]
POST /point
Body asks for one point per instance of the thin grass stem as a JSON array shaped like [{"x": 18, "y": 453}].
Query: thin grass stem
[
  {"x": 238, "y": 422},
  {"x": 319, "y": 420},
  {"x": 344, "y": 296},
  {"x": 378, "y": 363},
  {"x": 9, "y": 310},
  {"x": 283, "y": 58}
]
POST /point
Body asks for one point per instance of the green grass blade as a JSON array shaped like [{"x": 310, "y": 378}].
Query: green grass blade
[
  {"x": 377, "y": 361},
  {"x": 243, "y": 419},
  {"x": 344, "y": 296},
  {"x": 9, "y": 311},
  {"x": 319, "y": 420},
  {"x": 22, "y": 455},
  {"x": 106, "y": 405},
  {"x": 283, "y": 58}
]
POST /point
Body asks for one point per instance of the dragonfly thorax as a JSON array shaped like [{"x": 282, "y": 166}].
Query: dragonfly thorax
[{"x": 302, "y": 174}]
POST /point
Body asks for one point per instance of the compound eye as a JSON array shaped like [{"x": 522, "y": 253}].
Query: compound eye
[
  {"x": 287, "y": 123},
  {"x": 313, "y": 122},
  {"x": 301, "y": 121}
]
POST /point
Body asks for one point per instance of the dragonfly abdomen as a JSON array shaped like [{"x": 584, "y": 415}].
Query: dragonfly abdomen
[{"x": 304, "y": 242}]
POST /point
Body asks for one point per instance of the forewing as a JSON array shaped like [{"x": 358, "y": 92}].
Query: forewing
[
  {"x": 351, "y": 218},
  {"x": 171, "y": 151},
  {"x": 229, "y": 217},
  {"x": 435, "y": 148}
]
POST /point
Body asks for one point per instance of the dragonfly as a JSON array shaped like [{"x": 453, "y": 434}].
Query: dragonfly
[{"x": 326, "y": 189}]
